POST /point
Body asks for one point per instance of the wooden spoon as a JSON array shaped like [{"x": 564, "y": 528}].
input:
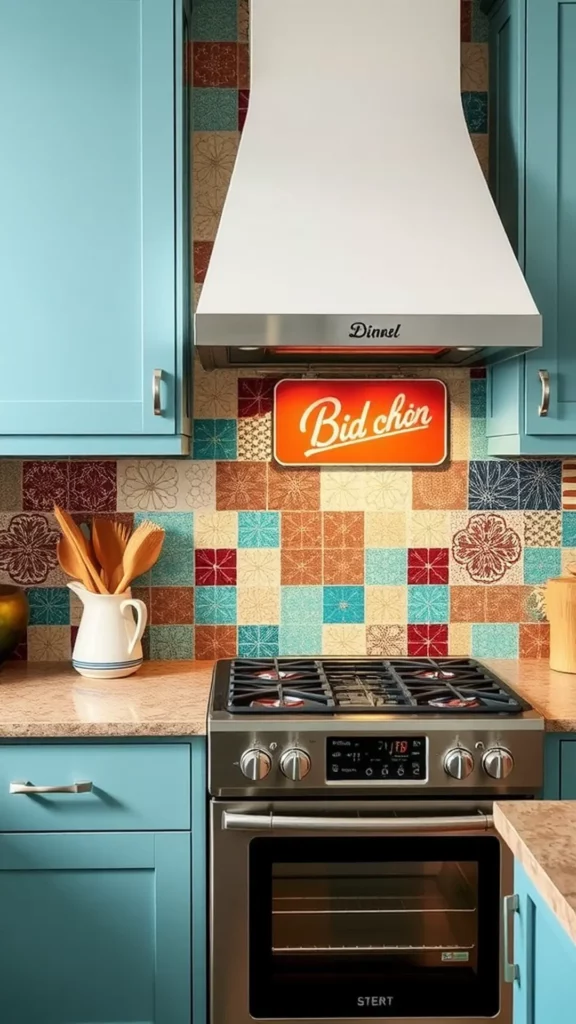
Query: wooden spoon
[
  {"x": 73, "y": 565},
  {"x": 142, "y": 550},
  {"x": 110, "y": 540},
  {"x": 77, "y": 540}
]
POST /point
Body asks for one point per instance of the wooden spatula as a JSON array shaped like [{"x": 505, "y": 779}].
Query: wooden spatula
[
  {"x": 110, "y": 540},
  {"x": 142, "y": 551},
  {"x": 79, "y": 545},
  {"x": 72, "y": 565}
]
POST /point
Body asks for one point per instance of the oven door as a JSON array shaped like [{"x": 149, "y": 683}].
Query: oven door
[{"x": 356, "y": 910}]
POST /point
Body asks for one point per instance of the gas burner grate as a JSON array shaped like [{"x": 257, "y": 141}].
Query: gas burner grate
[{"x": 363, "y": 685}]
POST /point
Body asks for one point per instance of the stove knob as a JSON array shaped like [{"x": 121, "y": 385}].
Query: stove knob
[
  {"x": 295, "y": 764},
  {"x": 255, "y": 764},
  {"x": 458, "y": 763},
  {"x": 498, "y": 762}
]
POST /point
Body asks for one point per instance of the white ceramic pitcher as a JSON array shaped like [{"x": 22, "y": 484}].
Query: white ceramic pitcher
[{"x": 108, "y": 644}]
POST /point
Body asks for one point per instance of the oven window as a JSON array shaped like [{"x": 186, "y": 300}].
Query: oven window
[{"x": 374, "y": 927}]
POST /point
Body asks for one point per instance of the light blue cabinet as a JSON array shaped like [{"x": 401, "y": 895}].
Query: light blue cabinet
[
  {"x": 94, "y": 246},
  {"x": 545, "y": 958},
  {"x": 533, "y": 179},
  {"x": 559, "y": 766}
]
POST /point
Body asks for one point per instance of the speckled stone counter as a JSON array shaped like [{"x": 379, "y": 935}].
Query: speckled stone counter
[
  {"x": 553, "y": 694},
  {"x": 165, "y": 698},
  {"x": 542, "y": 836}
]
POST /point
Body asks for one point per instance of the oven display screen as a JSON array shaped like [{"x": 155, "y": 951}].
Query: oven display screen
[{"x": 376, "y": 759}]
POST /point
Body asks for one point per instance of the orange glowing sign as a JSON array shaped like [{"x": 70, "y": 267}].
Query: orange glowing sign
[{"x": 360, "y": 422}]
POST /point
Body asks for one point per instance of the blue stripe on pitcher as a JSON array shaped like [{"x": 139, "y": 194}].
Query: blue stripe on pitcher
[{"x": 106, "y": 664}]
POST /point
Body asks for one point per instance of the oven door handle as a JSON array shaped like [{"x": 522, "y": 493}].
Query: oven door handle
[{"x": 302, "y": 823}]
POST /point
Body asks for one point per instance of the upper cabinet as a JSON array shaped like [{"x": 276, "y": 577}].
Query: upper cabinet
[
  {"x": 94, "y": 267},
  {"x": 532, "y": 400}
]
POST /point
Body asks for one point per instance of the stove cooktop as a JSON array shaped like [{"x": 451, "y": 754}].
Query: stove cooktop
[{"x": 332, "y": 686}]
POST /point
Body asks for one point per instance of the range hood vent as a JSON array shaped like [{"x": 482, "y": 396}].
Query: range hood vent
[{"x": 358, "y": 216}]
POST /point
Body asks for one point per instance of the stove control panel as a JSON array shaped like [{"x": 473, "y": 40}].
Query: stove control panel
[
  {"x": 458, "y": 763},
  {"x": 376, "y": 759},
  {"x": 295, "y": 764},
  {"x": 498, "y": 763}
]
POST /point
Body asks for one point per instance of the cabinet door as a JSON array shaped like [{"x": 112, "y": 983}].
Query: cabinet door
[
  {"x": 550, "y": 205},
  {"x": 568, "y": 770},
  {"x": 87, "y": 208},
  {"x": 95, "y": 928}
]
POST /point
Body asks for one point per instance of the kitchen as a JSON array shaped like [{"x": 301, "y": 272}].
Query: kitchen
[{"x": 105, "y": 890}]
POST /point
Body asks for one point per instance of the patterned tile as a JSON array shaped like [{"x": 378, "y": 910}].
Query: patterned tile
[
  {"x": 258, "y": 529},
  {"x": 388, "y": 490},
  {"x": 459, "y": 639},
  {"x": 493, "y": 485},
  {"x": 386, "y": 604},
  {"x": 44, "y": 484},
  {"x": 242, "y": 107},
  {"x": 216, "y": 529},
  {"x": 255, "y": 439},
  {"x": 343, "y": 604},
  {"x": 213, "y": 642},
  {"x": 540, "y": 483},
  {"x": 385, "y": 529},
  {"x": 301, "y": 566},
  {"x": 569, "y": 529},
  {"x": 171, "y": 606},
  {"x": 474, "y": 67},
  {"x": 343, "y": 565},
  {"x": 255, "y": 396},
  {"x": 480, "y": 23},
  {"x": 465, "y": 20},
  {"x": 386, "y": 641},
  {"x": 258, "y": 605},
  {"x": 148, "y": 485},
  {"x": 486, "y": 547},
  {"x": 442, "y": 488},
  {"x": 198, "y": 481},
  {"x": 428, "y": 604},
  {"x": 478, "y": 440},
  {"x": 495, "y": 640},
  {"x": 541, "y": 563},
  {"x": 49, "y": 606},
  {"x": 175, "y": 565},
  {"x": 428, "y": 565},
  {"x": 215, "y": 567},
  {"x": 542, "y": 529},
  {"x": 507, "y": 604},
  {"x": 386, "y": 565},
  {"x": 468, "y": 604},
  {"x": 343, "y": 490},
  {"x": 535, "y": 640},
  {"x": 172, "y": 642},
  {"x": 427, "y": 641},
  {"x": 478, "y": 397},
  {"x": 258, "y": 641},
  {"x": 343, "y": 529},
  {"x": 301, "y": 605},
  {"x": 215, "y": 110},
  {"x": 569, "y": 485},
  {"x": 240, "y": 485},
  {"x": 207, "y": 211},
  {"x": 215, "y": 64},
  {"x": 243, "y": 20},
  {"x": 243, "y": 66},
  {"x": 259, "y": 567},
  {"x": 301, "y": 639},
  {"x": 428, "y": 529},
  {"x": 212, "y": 20},
  {"x": 215, "y": 606},
  {"x": 215, "y": 393},
  {"x": 214, "y": 439},
  {"x": 202, "y": 251},
  {"x": 213, "y": 158},
  {"x": 301, "y": 529},
  {"x": 293, "y": 489},
  {"x": 48, "y": 643},
  {"x": 28, "y": 549},
  {"x": 92, "y": 486},
  {"x": 475, "y": 106},
  {"x": 481, "y": 144},
  {"x": 10, "y": 485},
  {"x": 344, "y": 641}
]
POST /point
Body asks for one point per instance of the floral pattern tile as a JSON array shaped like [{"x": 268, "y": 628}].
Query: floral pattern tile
[
  {"x": 493, "y": 485},
  {"x": 214, "y": 439},
  {"x": 170, "y": 606},
  {"x": 428, "y": 604},
  {"x": 215, "y": 64},
  {"x": 48, "y": 643},
  {"x": 214, "y": 156},
  {"x": 259, "y": 567},
  {"x": 343, "y": 604},
  {"x": 149, "y": 484},
  {"x": 11, "y": 489},
  {"x": 171, "y": 642},
  {"x": 487, "y": 548},
  {"x": 213, "y": 642},
  {"x": 343, "y": 565},
  {"x": 343, "y": 641},
  {"x": 27, "y": 548},
  {"x": 258, "y": 529},
  {"x": 388, "y": 490},
  {"x": 258, "y": 641},
  {"x": 216, "y": 529},
  {"x": 198, "y": 484},
  {"x": 540, "y": 483},
  {"x": 475, "y": 106},
  {"x": 215, "y": 567},
  {"x": 343, "y": 490},
  {"x": 343, "y": 529},
  {"x": 301, "y": 566},
  {"x": 386, "y": 604},
  {"x": 44, "y": 484},
  {"x": 240, "y": 486},
  {"x": 386, "y": 641},
  {"x": 427, "y": 641},
  {"x": 474, "y": 67},
  {"x": 428, "y": 529},
  {"x": 255, "y": 396},
  {"x": 92, "y": 486},
  {"x": 428, "y": 565},
  {"x": 215, "y": 393},
  {"x": 258, "y": 605},
  {"x": 215, "y": 606},
  {"x": 293, "y": 489},
  {"x": 535, "y": 640},
  {"x": 301, "y": 529},
  {"x": 385, "y": 529},
  {"x": 49, "y": 606}
]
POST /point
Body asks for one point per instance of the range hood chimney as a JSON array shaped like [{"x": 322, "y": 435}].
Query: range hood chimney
[{"x": 357, "y": 213}]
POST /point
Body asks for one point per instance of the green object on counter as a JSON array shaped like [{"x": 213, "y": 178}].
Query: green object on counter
[{"x": 13, "y": 619}]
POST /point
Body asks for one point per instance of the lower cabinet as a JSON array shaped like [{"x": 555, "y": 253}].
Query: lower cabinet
[
  {"x": 560, "y": 766},
  {"x": 545, "y": 958},
  {"x": 95, "y": 928}
]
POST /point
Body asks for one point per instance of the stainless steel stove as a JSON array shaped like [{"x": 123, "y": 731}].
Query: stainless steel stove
[{"x": 355, "y": 871}]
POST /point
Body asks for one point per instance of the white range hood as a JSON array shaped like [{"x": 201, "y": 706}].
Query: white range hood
[{"x": 358, "y": 215}]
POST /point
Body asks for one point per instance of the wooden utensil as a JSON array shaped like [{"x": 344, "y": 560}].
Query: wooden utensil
[
  {"x": 73, "y": 565},
  {"x": 142, "y": 551},
  {"x": 560, "y": 604},
  {"x": 110, "y": 540},
  {"x": 77, "y": 540}
]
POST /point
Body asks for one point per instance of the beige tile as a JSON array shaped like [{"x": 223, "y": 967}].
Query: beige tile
[
  {"x": 213, "y": 159},
  {"x": 386, "y": 641},
  {"x": 206, "y": 212},
  {"x": 487, "y": 548},
  {"x": 243, "y": 21},
  {"x": 386, "y": 604},
  {"x": 388, "y": 490},
  {"x": 481, "y": 145},
  {"x": 48, "y": 643},
  {"x": 258, "y": 606},
  {"x": 216, "y": 530},
  {"x": 344, "y": 641},
  {"x": 459, "y": 639},
  {"x": 149, "y": 485},
  {"x": 343, "y": 490},
  {"x": 385, "y": 529},
  {"x": 198, "y": 484},
  {"x": 428, "y": 529},
  {"x": 259, "y": 567},
  {"x": 215, "y": 393},
  {"x": 474, "y": 67},
  {"x": 10, "y": 485}
]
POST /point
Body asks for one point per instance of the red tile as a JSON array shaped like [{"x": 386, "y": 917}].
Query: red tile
[
  {"x": 44, "y": 484},
  {"x": 428, "y": 565},
  {"x": 73, "y": 635},
  {"x": 465, "y": 20},
  {"x": 240, "y": 485},
  {"x": 243, "y": 66},
  {"x": 215, "y": 567},
  {"x": 478, "y": 372},
  {"x": 212, "y": 642},
  {"x": 188, "y": 63},
  {"x": 243, "y": 101},
  {"x": 426, "y": 641},
  {"x": 202, "y": 254},
  {"x": 170, "y": 606},
  {"x": 255, "y": 396},
  {"x": 215, "y": 64},
  {"x": 92, "y": 486}
]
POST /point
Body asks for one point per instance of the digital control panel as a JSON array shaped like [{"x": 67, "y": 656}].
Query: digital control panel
[{"x": 376, "y": 759}]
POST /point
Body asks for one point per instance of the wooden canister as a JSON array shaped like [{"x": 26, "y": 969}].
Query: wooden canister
[{"x": 560, "y": 602}]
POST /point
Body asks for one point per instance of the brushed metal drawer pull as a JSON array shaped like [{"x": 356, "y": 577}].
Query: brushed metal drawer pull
[
  {"x": 27, "y": 788},
  {"x": 545, "y": 399},
  {"x": 157, "y": 402},
  {"x": 510, "y": 905}
]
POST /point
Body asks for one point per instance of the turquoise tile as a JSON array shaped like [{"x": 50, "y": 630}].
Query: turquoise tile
[
  {"x": 215, "y": 439},
  {"x": 175, "y": 567},
  {"x": 478, "y": 398},
  {"x": 569, "y": 529},
  {"x": 171, "y": 643},
  {"x": 478, "y": 440},
  {"x": 49, "y": 606},
  {"x": 301, "y": 605},
  {"x": 258, "y": 529},
  {"x": 386, "y": 565},
  {"x": 258, "y": 641},
  {"x": 343, "y": 604},
  {"x": 215, "y": 21},
  {"x": 428, "y": 603},
  {"x": 480, "y": 23},
  {"x": 215, "y": 606},
  {"x": 215, "y": 110},
  {"x": 496, "y": 640},
  {"x": 301, "y": 639},
  {"x": 475, "y": 111},
  {"x": 541, "y": 563}
]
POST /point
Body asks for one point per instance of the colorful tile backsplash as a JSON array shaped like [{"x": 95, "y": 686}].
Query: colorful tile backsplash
[{"x": 260, "y": 560}]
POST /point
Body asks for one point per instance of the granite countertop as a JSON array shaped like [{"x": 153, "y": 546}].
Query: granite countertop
[
  {"x": 170, "y": 698},
  {"x": 541, "y": 834}
]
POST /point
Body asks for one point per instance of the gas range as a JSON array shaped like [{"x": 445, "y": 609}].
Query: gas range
[{"x": 369, "y": 726}]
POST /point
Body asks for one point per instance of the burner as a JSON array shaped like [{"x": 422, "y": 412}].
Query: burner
[
  {"x": 280, "y": 702},
  {"x": 276, "y": 674},
  {"x": 436, "y": 673},
  {"x": 455, "y": 702}
]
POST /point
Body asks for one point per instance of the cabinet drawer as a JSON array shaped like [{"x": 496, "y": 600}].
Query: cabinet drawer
[{"x": 133, "y": 787}]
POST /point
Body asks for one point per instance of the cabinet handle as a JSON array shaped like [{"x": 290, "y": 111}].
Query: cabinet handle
[
  {"x": 545, "y": 399},
  {"x": 510, "y": 904},
  {"x": 27, "y": 788},
  {"x": 156, "y": 380}
]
